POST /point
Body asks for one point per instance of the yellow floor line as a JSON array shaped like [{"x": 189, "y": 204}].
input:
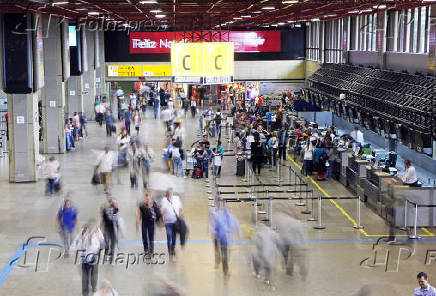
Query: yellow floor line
[{"x": 428, "y": 233}]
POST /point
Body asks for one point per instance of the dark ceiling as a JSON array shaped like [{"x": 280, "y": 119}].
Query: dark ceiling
[{"x": 205, "y": 14}]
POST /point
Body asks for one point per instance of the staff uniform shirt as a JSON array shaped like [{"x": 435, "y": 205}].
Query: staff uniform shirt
[
  {"x": 430, "y": 291},
  {"x": 410, "y": 176},
  {"x": 105, "y": 162},
  {"x": 357, "y": 136},
  {"x": 169, "y": 209}
]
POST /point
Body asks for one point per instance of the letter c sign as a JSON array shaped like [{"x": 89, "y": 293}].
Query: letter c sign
[
  {"x": 216, "y": 62},
  {"x": 184, "y": 62}
]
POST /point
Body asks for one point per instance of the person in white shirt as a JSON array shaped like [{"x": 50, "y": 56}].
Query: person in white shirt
[
  {"x": 87, "y": 246},
  {"x": 424, "y": 288},
  {"x": 179, "y": 132},
  {"x": 216, "y": 163},
  {"x": 357, "y": 135},
  {"x": 177, "y": 160},
  {"x": 193, "y": 107},
  {"x": 208, "y": 119},
  {"x": 100, "y": 110},
  {"x": 171, "y": 104},
  {"x": 52, "y": 170},
  {"x": 147, "y": 156},
  {"x": 105, "y": 162},
  {"x": 308, "y": 157},
  {"x": 166, "y": 115},
  {"x": 409, "y": 177},
  {"x": 171, "y": 207}
]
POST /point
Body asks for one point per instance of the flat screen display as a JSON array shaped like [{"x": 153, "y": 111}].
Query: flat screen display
[
  {"x": 244, "y": 41},
  {"x": 72, "y": 38}
]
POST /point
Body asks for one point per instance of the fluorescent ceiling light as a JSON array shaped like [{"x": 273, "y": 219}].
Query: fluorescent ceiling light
[
  {"x": 291, "y": 21},
  {"x": 155, "y": 11},
  {"x": 298, "y": 25},
  {"x": 148, "y": 2},
  {"x": 81, "y": 8},
  {"x": 379, "y": 6},
  {"x": 93, "y": 13},
  {"x": 60, "y": 3},
  {"x": 330, "y": 15},
  {"x": 237, "y": 18},
  {"x": 257, "y": 11},
  {"x": 246, "y": 16},
  {"x": 365, "y": 10},
  {"x": 280, "y": 24},
  {"x": 290, "y": 1},
  {"x": 160, "y": 15},
  {"x": 315, "y": 20},
  {"x": 268, "y": 7},
  {"x": 354, "y": 11}
]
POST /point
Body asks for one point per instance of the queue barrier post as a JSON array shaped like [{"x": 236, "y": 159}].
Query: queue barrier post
[
  {"x": 358, "y": 226},
  {"x": 319, "y": 226},
  {"x": 404, "y": 228},
  {"x": 306, "y": 210},
  {"x": 245, "y": 171},
  {"x": 270, "y": 211},
  {"x": 300, "y": 202},
  {"x": 415, "y": 235},
  {"x": 312, "y": 217}
]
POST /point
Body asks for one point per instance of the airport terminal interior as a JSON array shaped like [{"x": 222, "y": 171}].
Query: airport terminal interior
[{"x": 171, "y": 147}]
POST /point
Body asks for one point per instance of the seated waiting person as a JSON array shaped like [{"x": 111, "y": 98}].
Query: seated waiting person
[{"x": 409, "y": 177}]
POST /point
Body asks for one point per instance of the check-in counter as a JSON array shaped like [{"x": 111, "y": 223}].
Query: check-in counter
[
  {"x": 375, "y": 187},
  {"x": 396, "y": 197},
  {"x": 343, "y": 157},
  {"x": 355, "y": 172}
]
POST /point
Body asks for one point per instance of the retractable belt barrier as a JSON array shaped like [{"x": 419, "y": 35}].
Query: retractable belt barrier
[{"x": 416, "y": 206}]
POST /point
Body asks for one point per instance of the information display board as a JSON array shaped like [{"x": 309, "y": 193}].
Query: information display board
[
  {"x": 138, "y": 70},
  {"x": 202, "y": 63}
]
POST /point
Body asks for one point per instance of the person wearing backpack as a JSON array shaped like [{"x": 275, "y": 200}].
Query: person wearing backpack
[
  {"x": 66, "y": 220},
  {"x": 147, "y": 214},
  {"x": 176, "y": 153},
  {"x": 218, "y": 119}
]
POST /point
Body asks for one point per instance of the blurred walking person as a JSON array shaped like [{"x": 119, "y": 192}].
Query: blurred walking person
[
  {"x": 225, "y": 226},
  {"x": 133, "y": 158},
  {"x": 265, "y": 252},
  {"x": 88, "y": 241},
  {"x": 52, "y": 169},
  {"x": 106, "y": 289},
  {"x": 105, "y": 162},
  {"x": 172, "y": 210},
  {"x": 109, "y": 215},
  {"x": 147, "y": 156},
  {"x": 66, "y": 220},
  {"x": 109, "y": 120},
  {"x": 147, "y": 214},
  {"x": 292, "y": 243}
]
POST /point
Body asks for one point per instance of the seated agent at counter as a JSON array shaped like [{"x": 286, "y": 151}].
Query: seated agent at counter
[{"x": 409, "y": 177}]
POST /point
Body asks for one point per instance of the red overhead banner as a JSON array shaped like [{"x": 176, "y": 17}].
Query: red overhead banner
[{"x": 245, "y": 41}]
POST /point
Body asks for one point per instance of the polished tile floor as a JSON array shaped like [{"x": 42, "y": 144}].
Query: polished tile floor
[{"x": 335, "y": 256}]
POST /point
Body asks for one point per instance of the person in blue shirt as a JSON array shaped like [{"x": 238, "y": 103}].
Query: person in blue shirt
[
  {"x": 424, "y": 288},
  {"x": 224, "y": 226},
  {"x": 319, "y": 160},
  {"x": 66, "y": 219},
  {"x": 283, "y": 138},
  {"x": 109, "y": 119},
  {"x": 127, "y": 119}
]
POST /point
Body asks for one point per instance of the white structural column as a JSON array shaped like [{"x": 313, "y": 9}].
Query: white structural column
[
  {"x": 53, "y": 94},
  {"x": 381, "y": 38},
  {"x": 88, "y": 91}
]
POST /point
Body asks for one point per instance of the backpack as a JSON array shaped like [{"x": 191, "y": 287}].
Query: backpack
[{"x": 218, "y": 119}]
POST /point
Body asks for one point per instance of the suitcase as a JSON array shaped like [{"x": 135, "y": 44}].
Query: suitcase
[
  {"x": 196, "y": 173},
  {"x": 240, "y": 168}
]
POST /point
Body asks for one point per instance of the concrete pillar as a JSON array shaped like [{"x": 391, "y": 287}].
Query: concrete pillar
[
  {"x": 53, "y": 94},
  {"x": 432, "y": 63},
  {"x": 322, "y": 42},
  {"x": 381, "y": 39},
  {"x": 88, "y": 92},
  {"x": 100, "y": 87},
  {"x": 23, "y": 137},
  {"x": 346, "y": 39},
  {"x": 74, "y": 95}
]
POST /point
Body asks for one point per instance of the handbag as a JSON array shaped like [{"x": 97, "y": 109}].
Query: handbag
[
  {"x": 95, "y": 180},
  {"x": 180, "y": 227}
]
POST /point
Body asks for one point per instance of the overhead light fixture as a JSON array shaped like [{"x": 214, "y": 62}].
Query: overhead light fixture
[
  {"x": 155, "y": 11},
  {"x": 93, "y": 13},
  {"x": 268, "y": 7},
  {"x": 237, "y": 18},
  {"x": 257, "y": 11},
  {"x": 291, "y": 21},
  {"x": 298, "y": 25},
  {"x": 280, "y": 24},
  {"x": 366, "y": 10},
  {"x": 353, "y": 11},
  {"x": 246, "y": 16},
  {"x": 382, "y": 6},
  {"x": 315, "y": 19},
  {"x": 330, "y": 15},
  {"x": 60, "y": 2},
  {"x": 81, "y": 9},
  {"x": 290, "y": 1},
  {"x": 160, "y": 15},
  {"x": 148, "y": 2}
]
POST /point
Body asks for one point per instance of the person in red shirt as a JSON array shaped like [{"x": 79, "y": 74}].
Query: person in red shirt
[{"x": 260, "y": 105}]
